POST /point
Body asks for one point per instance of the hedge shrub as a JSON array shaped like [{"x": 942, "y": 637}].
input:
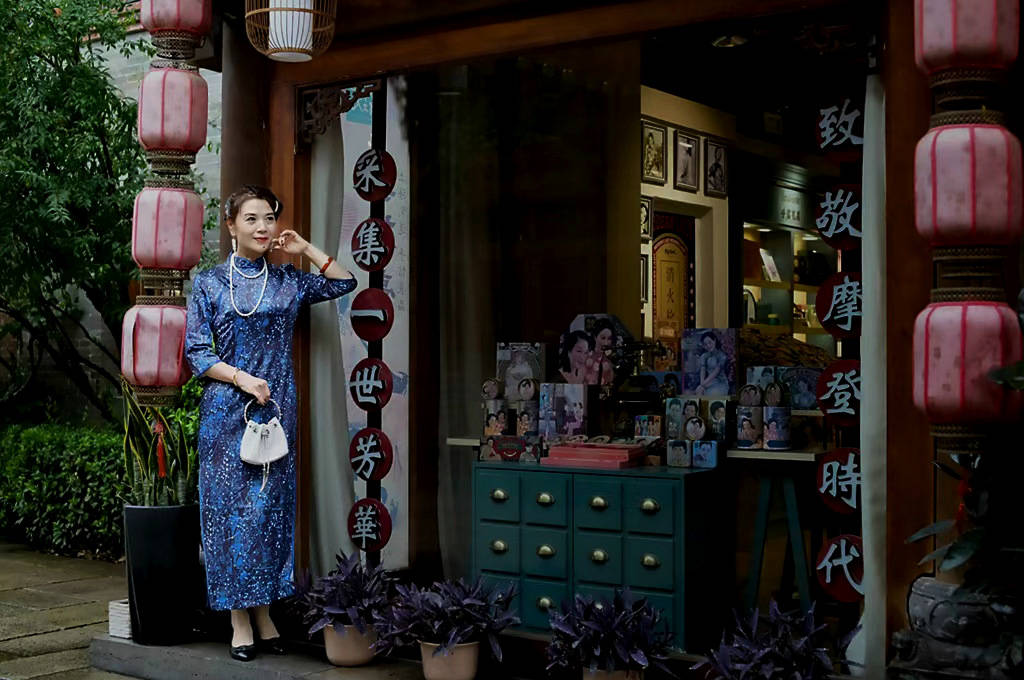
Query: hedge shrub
[{"x": 61, "y": 488}]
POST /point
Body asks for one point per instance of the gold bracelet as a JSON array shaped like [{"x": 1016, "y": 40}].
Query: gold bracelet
[{"x": 234, "y": 376}]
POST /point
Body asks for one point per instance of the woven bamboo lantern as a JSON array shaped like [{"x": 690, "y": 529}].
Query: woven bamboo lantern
[{"x": 290, "y": 30}]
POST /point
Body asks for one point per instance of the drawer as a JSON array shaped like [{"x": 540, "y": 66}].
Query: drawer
[
  {"x": 597, "y": 503},
  {"x": 538, "y": 596},
  {"x": 545, "y": 552},
  {"x": 497, "y": 547},
  {"x": 597, "y": 557},
  {"x": 545, "y": 499},
  {"x": 501, "y": 581},
  {"x": 599, "y": 593},
  {"x": 497, "y": 495},
  {"x": 667, "y": 605},
  {"x": 650, "y": 563},
  {"x": 650, "y": 506}
]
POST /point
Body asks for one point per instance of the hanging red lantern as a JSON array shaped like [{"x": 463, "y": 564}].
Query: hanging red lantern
[
  {"x": 173, "y": 112},
  {"x": 152, "y": 344},
  {"x": 967, "y": 185},
  {"x": 185, "y": 16},
  {"x": 956, "y": 345},
  {"x": 167, "y": 228},
  {"x": 965, "y": 34}
]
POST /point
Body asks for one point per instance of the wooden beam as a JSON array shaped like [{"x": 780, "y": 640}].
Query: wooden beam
[{"x": 361, "y": 59}]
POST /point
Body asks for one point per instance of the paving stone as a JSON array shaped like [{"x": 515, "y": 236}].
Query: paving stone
[
  {"x": 388, "y": 670},
  {"x": 46, "y": 621},
  {"x": 34, "y": 645},
  {"x": 46, "y": 664},
  {"x": 85, "y": 674},
  {"x": 102, "y": 589},
  {"x": 30, "y": 598}
]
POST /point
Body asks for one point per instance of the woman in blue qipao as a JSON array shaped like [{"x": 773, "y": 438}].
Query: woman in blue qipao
[{"x": 241, "y": 319}]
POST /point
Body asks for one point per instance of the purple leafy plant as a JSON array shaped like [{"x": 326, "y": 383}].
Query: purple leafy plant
[
  {"x": 448, "y": 613},
  {"x": 352, "y": 594},
  {"x": 624, "y": 634}
]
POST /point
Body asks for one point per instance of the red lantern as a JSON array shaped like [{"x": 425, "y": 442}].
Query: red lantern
[
  {"x": 172, "y": 110},
  {"x": 967, "y": 185},
  {"x": 186, "y": 16},
  {"x": 956, "y": 344},
  {"x": 152, "y": 344},
  {"x": 965, "y": 34},
  {"x": 167, "y": 228}
]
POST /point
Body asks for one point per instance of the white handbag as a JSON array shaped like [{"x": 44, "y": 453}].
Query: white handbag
[{"x": 263, "y": 443}]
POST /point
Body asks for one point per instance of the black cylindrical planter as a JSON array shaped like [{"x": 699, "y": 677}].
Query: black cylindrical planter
[{"x": 164, "y": 575}]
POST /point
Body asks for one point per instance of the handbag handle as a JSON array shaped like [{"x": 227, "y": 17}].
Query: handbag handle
[{"x": 245, "y": 412}]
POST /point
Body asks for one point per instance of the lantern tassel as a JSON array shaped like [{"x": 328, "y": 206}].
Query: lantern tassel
[{"x": 161, "y": 456}]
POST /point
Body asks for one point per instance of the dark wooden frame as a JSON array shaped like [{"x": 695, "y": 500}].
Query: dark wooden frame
[
  {"x": 646, "y": 125},
  {"x": 677, "y": 134},
  {"x": 714, "y": 193},
  {"x": 647, "y": 233}
]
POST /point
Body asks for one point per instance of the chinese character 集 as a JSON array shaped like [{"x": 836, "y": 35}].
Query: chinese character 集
[{"x": 370, "y": 246}]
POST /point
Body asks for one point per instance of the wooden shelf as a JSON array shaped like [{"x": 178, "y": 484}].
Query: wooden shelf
[
  {"x": 804, "y": 288},
  {"x": 761, "y": 283},
  {"x": 790, "y": 456},
  {"x": 809, "y": 330},
  {"x": 768, "y": 329},
  {"x": 813, "y": 413},
  {"x": 462, "y": 441}
]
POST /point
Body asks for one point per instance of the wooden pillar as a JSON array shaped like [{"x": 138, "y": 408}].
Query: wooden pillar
[{"x": 911, "y": 478}]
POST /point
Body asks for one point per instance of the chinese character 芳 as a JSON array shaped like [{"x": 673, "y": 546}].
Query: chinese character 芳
[
  {"x": 841, "y": 388},
  {"x": 841, "y": 480},
  {"x": 366, "y": 166},
  {"x": 369, "y": 453},
  {"x": 842, "y": 561},
  {"x": 846, "y": 304},
  {"x": 366, "y": 525},
  {"x": 370, "y": 246},
  {"x": 837, "y": 125},
  {"x": 366, "y": 383},
  {"x": 838, "y": 214}
]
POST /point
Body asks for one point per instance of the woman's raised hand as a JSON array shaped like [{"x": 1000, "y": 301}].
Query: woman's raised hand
[
  {"x": 257, "y": 387},
  {"x": 291, "y": 243}
]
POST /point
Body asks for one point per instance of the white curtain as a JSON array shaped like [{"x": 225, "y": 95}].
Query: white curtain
[
  {"x": 331, "y": 477},
  {"x": 873, "y": 377}
]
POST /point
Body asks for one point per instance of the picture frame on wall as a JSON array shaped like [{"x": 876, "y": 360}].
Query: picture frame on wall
[
  {"x": 716, "y": 169},
  {"x": 653, "y": 139},
  {"x": 686, "y": 162},
  {"x": 646, "y": 218},
  {"x": 645, "y": 265}
]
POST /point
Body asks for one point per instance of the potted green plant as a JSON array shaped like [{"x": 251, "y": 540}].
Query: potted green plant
[
  {"x": 448, "y": 621},
  {"x": 780, "y": 646},
  {"x": 613, "y": 640},
  {"x": 161, "y": 517},
  {"x": 345, "y": 605}
]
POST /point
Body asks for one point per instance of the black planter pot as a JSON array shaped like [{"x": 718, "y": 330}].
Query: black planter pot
[{"x": 165, "y": 579}]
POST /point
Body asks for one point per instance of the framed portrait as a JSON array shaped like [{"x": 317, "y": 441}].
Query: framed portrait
[
  {"x": 646, "y": 218},
  {"x": 645, "y": 265},
  {"x": 716, "y": 169},
  {"x": 652, "y": 145},
  {"x": 687, "y": 162}
]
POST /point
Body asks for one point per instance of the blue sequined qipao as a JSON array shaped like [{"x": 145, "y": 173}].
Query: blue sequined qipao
[{"x": 248, "y": 535}]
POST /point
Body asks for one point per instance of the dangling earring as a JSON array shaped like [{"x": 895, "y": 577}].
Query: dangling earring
[{"x": 234, "y": 244}]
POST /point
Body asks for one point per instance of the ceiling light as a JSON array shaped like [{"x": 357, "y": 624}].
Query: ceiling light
[{"x": 729, "y": 41}]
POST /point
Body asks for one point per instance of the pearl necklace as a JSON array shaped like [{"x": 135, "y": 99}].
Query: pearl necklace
[{"x": 231, "y": 286}]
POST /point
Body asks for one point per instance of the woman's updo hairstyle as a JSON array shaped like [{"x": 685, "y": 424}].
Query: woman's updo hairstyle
[{"x": 236, "y": 200}]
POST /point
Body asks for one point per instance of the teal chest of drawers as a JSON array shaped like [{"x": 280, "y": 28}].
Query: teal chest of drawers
[{"x": 659, "y": 531}]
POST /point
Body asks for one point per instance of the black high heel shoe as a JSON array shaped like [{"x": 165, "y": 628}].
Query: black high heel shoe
[
  {"x": 274, "y": 645},
  {"x": 244, "y": 652}
]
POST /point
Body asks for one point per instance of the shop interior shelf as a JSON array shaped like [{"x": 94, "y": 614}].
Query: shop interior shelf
[
  {"x": 804, "y": 288},
  {"x": 811, "y": 413},
  {"x": 761, "y": 283},
  {"x": 809, "y": 330},
  {"x": 791, "y": 456},
  {"x": 768, "y": 329},
  {"x": 463, "y": 441}
]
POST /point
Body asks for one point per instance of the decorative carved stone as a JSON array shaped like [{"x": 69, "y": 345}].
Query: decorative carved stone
[{"x": 320, "y": 106}]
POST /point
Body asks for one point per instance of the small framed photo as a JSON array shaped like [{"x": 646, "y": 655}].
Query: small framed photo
[
  {"x": 655, "y": 163},
  {"x": 644, "y": 278},
  {"x": 687, "y": 162},
  {"x": 646, "y": 218},
  {"x": 716, "y": 169}
]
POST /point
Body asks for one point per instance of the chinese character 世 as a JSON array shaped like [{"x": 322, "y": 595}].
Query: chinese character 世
[{"x": 366, "y": 382}]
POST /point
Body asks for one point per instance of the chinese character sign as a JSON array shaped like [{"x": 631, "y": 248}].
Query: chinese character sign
[
  {"x": 369, "y": 525},
  {"x": 840, "y": 568},
  {"x": 838, "y": 125},
  {"x": 839, "y": 479},
  {"x": 371, "y": 454},
  {"x": 372, "y": 314},
  {"x": 840, "y": 304},
  {"x": 839, "y": 392},
  {"x": 838, "y": 217},
  {"x": 374, "y": 175},
  {"x": 373, "y": 244},
  {"x": 371, "y": 384}
]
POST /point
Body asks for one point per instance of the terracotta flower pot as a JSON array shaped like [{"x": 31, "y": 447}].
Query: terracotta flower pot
[
  {"x": 612, "y": 675},
  {"x": 351, "y": 648},
  {"x": 460, "y": 664}
]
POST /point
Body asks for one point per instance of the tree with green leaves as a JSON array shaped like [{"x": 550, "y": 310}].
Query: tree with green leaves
[{"x": 70, "y": 167}]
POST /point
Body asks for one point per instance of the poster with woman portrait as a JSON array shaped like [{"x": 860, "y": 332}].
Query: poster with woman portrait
[
  {"x": 709, "y": 361},
  {"x": 687, "y": 162},
  {"x": 592, "y": 350},
  {"x": 653, "y": 140}
]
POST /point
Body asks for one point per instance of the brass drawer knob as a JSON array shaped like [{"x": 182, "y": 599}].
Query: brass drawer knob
[
  {"x": 499, "y": 495},
  {"x": 598, "y": 503},
  {"x": 544, "y": 603},
  {"x": 650, "y": 506},
  {"x": 499, "y": 546},
  {"x": 544, "y": 498},
  {"x": 545, "y": 551},
  {"x": 599, "y": 556},
  {"x": 650, "y": 561}
]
